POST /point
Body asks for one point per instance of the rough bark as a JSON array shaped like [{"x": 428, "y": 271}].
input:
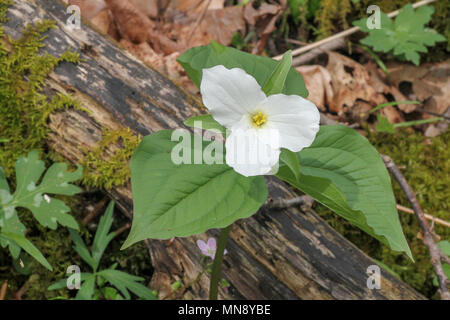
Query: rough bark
[{"x": 284, "y": 254}]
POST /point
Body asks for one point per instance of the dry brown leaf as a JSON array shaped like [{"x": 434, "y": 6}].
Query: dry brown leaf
[
  {"x": 351, "y": 82},
  {"x": 133, "y": 24},
  {"x": 428, "y": 83},
  {"x": 147, "y": 7},
  {"x": 252, "y": 15},
  {"x": 218, "y": 25},
  {"x": 102, "y": 21},
  {"x": 379, "y": 82},
  {"x": 318, "y": 82}
]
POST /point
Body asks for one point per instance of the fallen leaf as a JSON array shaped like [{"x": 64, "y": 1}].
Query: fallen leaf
[
  {"x": 133, "y": 24},
  {"x": 379, "y": 82},
  {"x": 428, "y": 83},
  {"x": 147, "y": 7},
  {"x": 350, "y": 82},
  {"x": 318, "y": 82}
]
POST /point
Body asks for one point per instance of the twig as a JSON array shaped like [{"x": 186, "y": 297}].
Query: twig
[
  {"x": 197, "y": 22},
  {"x": 26, "y": 286},
  {"x": 3, "y": 290},
  {"x": 122, "y": 229},
  {"x": 428, "y": 216},
  {"x": 428, "y": 238},
  {"x": 94, "y": 212},
  {"x": 344, "y": 33}
]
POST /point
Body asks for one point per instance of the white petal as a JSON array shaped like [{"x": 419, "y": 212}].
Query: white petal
[
  {"x": 296, "y": 119},
  {"x": 229, "y": 94},
  {"x": 248, "y": 155}
]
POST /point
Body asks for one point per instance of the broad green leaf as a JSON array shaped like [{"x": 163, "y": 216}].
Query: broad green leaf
[
  {"x": 406, "y": 36},
  {"x": 290, "y": 159},
  {"x": 81, "y": 249},
  {"x": 29, "y": 248},
  {"x": 207, "y": 123},
  {"x": 181, "y": 200},
  {"x": 343, "y": 171},
  {"x": 261, "y": 68},
  {"x": 277, "y": 79},
  {"x": 126, "y": 282},
  {"x": 102, "y": 237}
]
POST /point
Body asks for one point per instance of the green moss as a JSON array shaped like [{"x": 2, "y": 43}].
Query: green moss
[
  {"x": 332, "y": 17},
  {"x": 108, "y": 165},
  {"x": 24, "y": 107},
  {"x": 424, "y": 162}
]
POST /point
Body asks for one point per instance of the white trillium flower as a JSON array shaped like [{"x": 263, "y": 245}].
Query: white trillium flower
[{"x": 260, "y": 125}]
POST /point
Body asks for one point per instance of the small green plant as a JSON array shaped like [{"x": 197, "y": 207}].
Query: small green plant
[
  {"x": 405, "y": 37},
  {"x": 384, "y": 125},
  {"x": 34, "y": 196},
  {"x": 94, "y": 284}
]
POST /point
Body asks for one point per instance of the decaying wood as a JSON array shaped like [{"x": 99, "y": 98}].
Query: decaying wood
[{"x": 276, "y": 254}]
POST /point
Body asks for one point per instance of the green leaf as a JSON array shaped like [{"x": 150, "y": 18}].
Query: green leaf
[
  {"x": 261, "y": 68},
  {"x": 277, "y": 79},
  {"x": 48, "y": 211},
  {"x": 343, "y": 171},
  {"x": 28, "y": 194},
  {"x": 81, "y": 249},
  {"x": 290, "y": 159},
  {"x": 384, "y": 125},
  {"x": 125, "y": 282},
  {"x": 445, "y": 246},
  {"x": 446, "y": 268},
  {"x": 406, "y": 36},
  {"x": 26, "y": 245},
  {"x": 61, "y": 284},
  {"x": 3, "y": 182},
  {"x": 207, "y": 123},
  {"x": 87, "y": 288},
  {"x": 181, "y": 200},
  {"x": 102, "y": 237}
]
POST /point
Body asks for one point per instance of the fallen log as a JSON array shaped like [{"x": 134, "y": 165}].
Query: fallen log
[{"x": 276, "y": 254}]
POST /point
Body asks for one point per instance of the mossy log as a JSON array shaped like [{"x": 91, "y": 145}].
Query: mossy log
[{"x": 276, "y": 254}]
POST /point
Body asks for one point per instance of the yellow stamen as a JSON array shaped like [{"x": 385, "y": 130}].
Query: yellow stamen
[{"x": 259, "y": 119}]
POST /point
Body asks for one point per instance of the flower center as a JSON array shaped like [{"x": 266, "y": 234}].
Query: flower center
[{"x": 259, "y": 119}]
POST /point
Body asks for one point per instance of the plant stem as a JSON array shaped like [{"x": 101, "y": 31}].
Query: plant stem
[{"x": 216, "y": 270}]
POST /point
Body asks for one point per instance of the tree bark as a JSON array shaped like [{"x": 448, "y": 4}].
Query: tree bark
[{"x": 275, "y": 254}]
